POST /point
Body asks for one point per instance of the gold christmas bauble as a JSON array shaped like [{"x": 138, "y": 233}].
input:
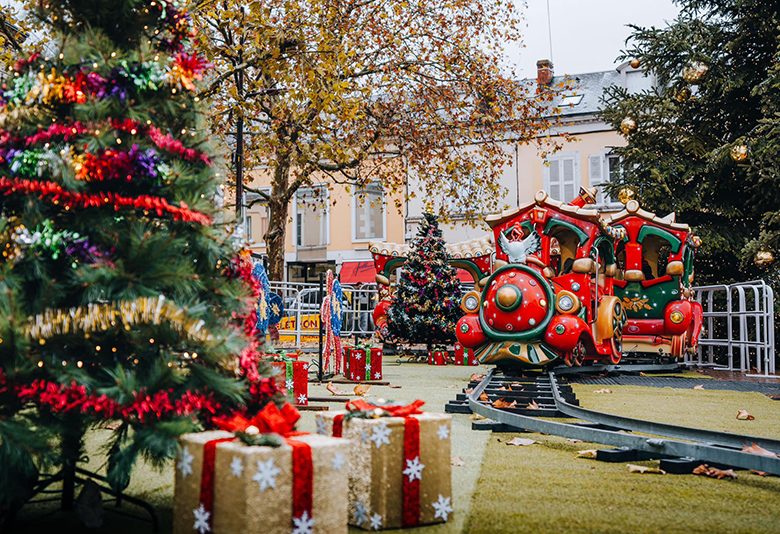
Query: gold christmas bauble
[
  {"x": 625, "y": 195},
  {"x": 627, "y": 125},
  {"x": 763, "y": 258},
  {"x": 695, "y": 72},
  {"x": 739, "y": 152},
  {"x": 635, "y": 63},
  {"x": 683, "y": 94}
]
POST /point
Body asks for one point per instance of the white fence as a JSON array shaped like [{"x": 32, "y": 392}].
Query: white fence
[{"x": 739, "y": 328}]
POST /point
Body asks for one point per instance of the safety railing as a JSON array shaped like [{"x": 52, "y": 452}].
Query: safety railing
[{"x": 739, "y": 328}]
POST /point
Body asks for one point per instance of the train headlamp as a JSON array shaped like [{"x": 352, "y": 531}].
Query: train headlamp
[
  {"x": 676, "y": 317},
  {"x": 567, "y": 302},
  {"x": 470, "y": 302}
]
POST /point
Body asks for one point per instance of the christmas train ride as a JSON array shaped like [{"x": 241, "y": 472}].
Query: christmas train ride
[{"x": 569, "y": 284}]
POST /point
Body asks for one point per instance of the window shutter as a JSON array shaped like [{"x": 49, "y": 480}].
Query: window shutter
[{"x": 597, "y": 178}]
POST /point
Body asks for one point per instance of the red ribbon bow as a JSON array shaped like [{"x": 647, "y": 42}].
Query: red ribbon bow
[{"x": 271, "y": 419}]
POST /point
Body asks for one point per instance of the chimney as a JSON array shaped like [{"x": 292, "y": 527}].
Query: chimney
[{"x": 544, "y": 72}]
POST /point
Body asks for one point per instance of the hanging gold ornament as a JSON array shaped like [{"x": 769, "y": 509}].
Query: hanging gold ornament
[
  {"x": 683, "y": 94},
  {"x": 635, "y": 63},
  {"x": 739, "y": 152},
  {"x": 625, "y": 195},
  {"x": 627, "y": 125},
  {"x": 764, "y": 258},
  {"x": 695, "y": 72}
]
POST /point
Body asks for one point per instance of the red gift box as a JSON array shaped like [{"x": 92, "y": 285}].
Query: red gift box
[
  {"x": 437, "y": 357},
  {"x": 464, "y": 356},
  {"x": 357, "y": 367},
  {"x": 293, "y": 378}
]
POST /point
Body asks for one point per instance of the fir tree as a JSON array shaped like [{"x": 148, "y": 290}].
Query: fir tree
[
  {"x": 704, "y": 142},
  {"x": 426, "y": 304},
  {"x": 120, "y": 298}
]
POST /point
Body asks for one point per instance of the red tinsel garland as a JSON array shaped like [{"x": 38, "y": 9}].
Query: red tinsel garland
[{"x": 58, "y": 195}]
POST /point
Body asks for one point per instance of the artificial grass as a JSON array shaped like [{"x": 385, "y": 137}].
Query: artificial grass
[{"x": 545, "y": 488}]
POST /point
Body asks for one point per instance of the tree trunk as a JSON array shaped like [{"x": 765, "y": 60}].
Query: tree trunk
[{"x": 278, "y": 206}]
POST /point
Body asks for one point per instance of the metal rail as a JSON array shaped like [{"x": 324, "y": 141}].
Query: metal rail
[
  {"x": 722, "y": 439},
  {"x": 704, "y": 452}
]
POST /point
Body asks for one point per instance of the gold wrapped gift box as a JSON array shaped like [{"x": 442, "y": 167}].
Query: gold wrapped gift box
[
  {"x": 253, "y": 487},
  {"x": 377, "y": 467}
]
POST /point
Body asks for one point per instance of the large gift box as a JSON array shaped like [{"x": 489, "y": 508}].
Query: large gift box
[
  {"x": 464, "y": 356},
  {"x": 292, "y": 376},
  {"x": 399, "y": 467},
  {"x": 363, "y": 363},
  {"x": 225, "y": 485}
]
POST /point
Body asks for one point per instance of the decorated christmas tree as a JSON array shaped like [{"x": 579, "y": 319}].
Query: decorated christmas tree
[
  {"x": 427, "y": 299},
  {"x": 121, "y": 299},
  {"x": 705, "y": 141}
]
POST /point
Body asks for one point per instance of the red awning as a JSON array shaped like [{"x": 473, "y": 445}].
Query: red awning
[
  {"x": 353, "y": 272},
  {"x": 465, "y": 277}
]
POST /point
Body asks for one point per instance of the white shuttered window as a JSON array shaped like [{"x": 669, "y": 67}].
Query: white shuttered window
[{"x": 562, "y": 177}]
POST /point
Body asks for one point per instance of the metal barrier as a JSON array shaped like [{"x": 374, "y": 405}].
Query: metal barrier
[{"x": 739, "y": 328}]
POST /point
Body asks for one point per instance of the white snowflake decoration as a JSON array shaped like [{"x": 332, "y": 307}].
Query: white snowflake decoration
[
  {"x": 302, "y": 399},
  {"x": 368, "y": 366},
  {"x": 303, "y": 524},
  {"x": 322, "y": 427},
  {"x": 289, "y": 385},
  {"x": 376, "y": 522},
  {"x": 237, "y": 467},
  {"x": 201, "y": 520},
  {"x": 361, "y": 513},
  {"x": 380, "y": 434},
  {"x": 358, "y": 355},
  {"x": 185, "y": 462},
  {"x": 442, "y": 507},
  {"x": 414, "y": 469},
  {"x": 377, "y": 375},
  {"x": 338, "y": 461},
  {"x": 266, "y": 474},
  {"x": 443, "y": 432}
]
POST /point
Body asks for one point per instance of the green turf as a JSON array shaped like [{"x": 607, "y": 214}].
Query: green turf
[{"x": 545, "y": 488}]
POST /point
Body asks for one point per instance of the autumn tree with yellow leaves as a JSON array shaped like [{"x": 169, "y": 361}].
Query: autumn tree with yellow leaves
[{"x": 361, "y": 91}]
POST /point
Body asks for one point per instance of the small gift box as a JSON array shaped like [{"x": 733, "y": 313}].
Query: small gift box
[
  {"x": 292, "y": 376},
  {"x": 464, "y": 356},
  {"x": 363, "y": 363},
  {"x": 437, "y": 357},
  {"x": 399, "y": 467},
  {"x": 226, "y": 482}
]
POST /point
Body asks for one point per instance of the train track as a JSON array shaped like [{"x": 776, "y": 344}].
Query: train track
[{"x": 660, "y": 440}]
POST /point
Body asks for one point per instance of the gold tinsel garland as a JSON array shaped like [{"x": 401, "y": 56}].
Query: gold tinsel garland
[{"x": 97, "y": 317}]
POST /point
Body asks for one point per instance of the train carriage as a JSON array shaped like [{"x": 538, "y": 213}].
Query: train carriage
[
  {"x": 654, "y": 281},
  {"x": 550, "y": 295}
]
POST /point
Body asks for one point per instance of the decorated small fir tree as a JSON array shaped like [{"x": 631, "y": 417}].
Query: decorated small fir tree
[
  {"x": 427, "y": 299},
  {"x": 120, "y": 298}
]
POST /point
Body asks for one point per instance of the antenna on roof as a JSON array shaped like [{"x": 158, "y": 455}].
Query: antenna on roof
[{"x": 549, "y": 31}]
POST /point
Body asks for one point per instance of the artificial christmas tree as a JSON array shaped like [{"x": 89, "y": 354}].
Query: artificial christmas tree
[
  {"x": 427, "y": 298},
  {"x": 704, "y": 142},
  {"x": 120, "y": 299}
]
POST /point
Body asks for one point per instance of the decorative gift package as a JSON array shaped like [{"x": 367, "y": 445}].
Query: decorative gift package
[
  {"x": 294, "y": 482},
  {"x": 363, "y": 363},
  {"x": 399, "y": 466},
  {"x": 464, "y": 356},
  {"x": 437, "y": 357},
  {"x": 292, "y": 376}
]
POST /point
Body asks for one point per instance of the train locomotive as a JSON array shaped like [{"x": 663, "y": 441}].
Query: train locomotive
[{"x": 551, "y": 294}]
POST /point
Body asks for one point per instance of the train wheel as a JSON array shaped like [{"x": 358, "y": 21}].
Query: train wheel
[
  {"x": 678, "y": 345},
  {"x": 577, "y": 355},
  {"x": 618, "y": 322}
]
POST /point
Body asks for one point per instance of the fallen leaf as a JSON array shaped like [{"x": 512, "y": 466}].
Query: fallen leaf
[
  {"x": 532, "y": 405},
  {"x": 361, "y": 390},
  {"x": 588, "y": 453},
  {"x": 641, "y": 469},
  {"x": 484, "y": 397},
  {"x": 476, "y": 417},
  {"x": 759, "y": 473},
  {"x": 394, "y": 386},
  {"x": 334, "y": 390},
  {"x": 503, "y": 403},
  {"x": 744, "y": 415},
  {"x": 476, "y": 377},
  {"x": 712, "y": 472},
  {"x": 520, "y": 442},
  {"x": 502, "y": 388},
  {"x": 758, "y": 450},
  {"x": 642, "y": 374},
  {"x": 516, "y": 386},
  {"x": 468, "y": 391},
  {"x": 774, "y": 397},
  {"x": 700, "y": 386},
  {"x": 457, "y": 461},
  {"x": 603, "y": 390},
  {"x": 573, "y": 440}
]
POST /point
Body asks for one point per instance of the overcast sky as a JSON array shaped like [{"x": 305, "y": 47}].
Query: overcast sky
[{"x": 587, "y": 35}]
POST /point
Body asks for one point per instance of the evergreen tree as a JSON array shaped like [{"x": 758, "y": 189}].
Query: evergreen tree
[
  {"x": 120, "y": 299},
  {"x": 704, "y": 142},
  {"x": 426, "y": 303}
]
